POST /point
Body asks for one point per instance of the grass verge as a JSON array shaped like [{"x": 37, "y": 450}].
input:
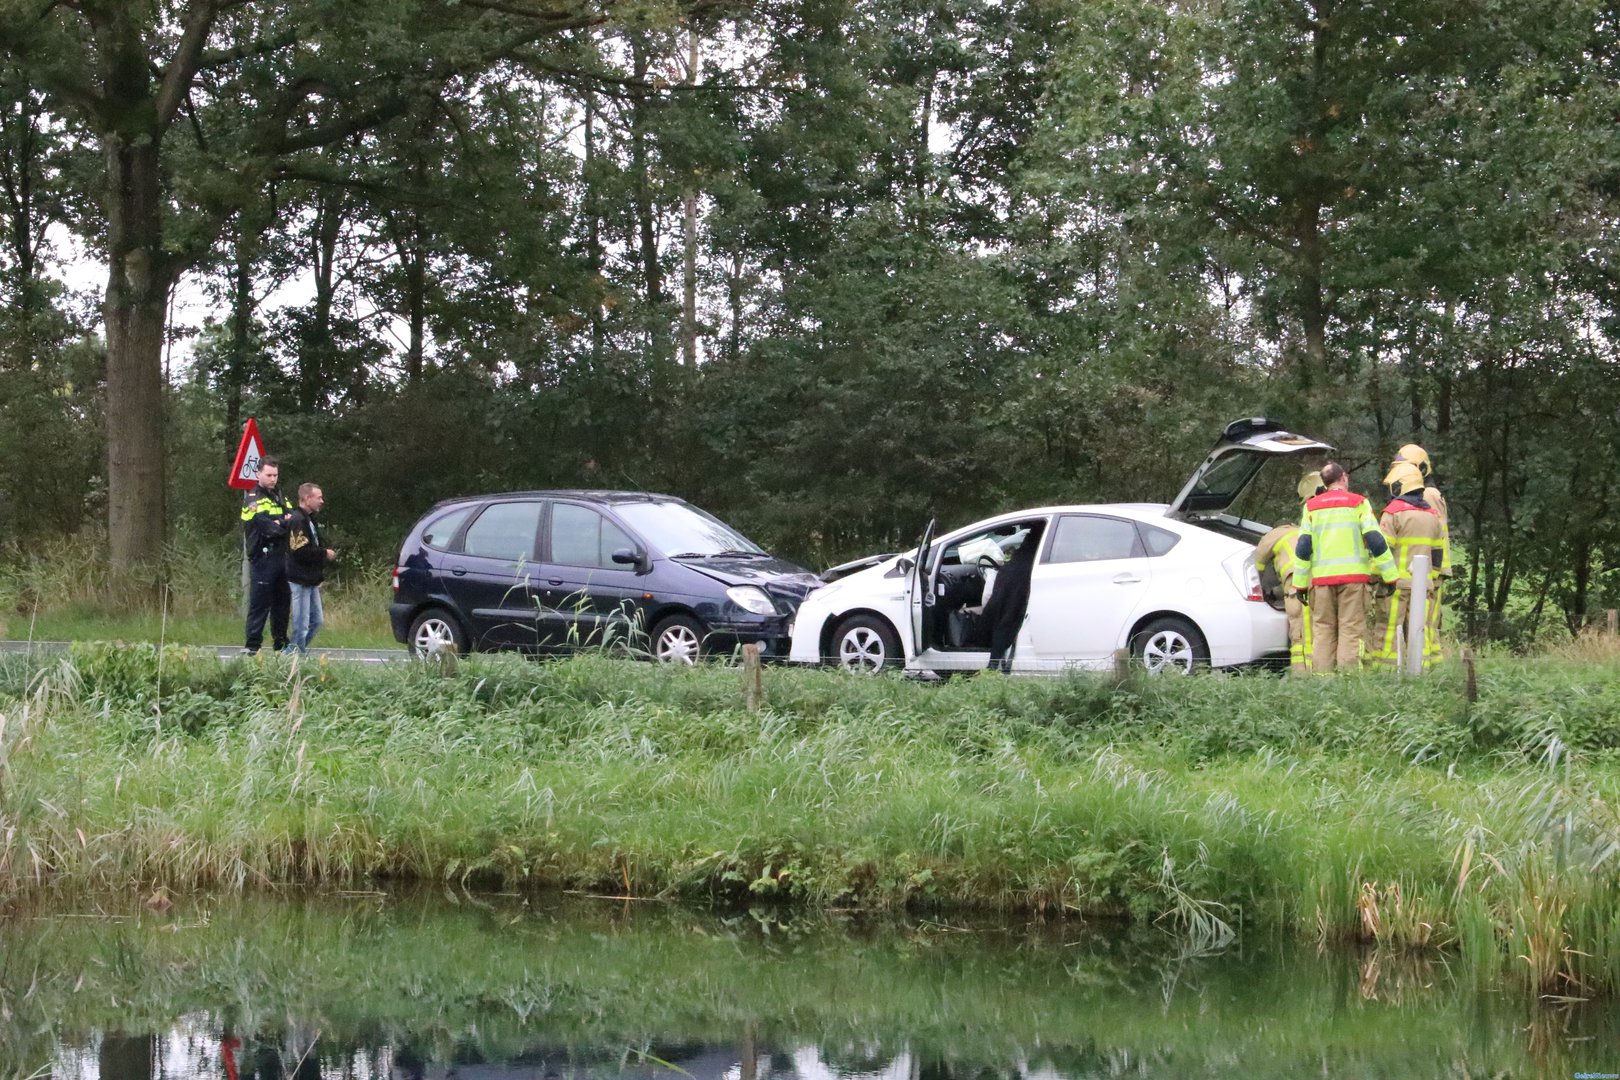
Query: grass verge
[{"x": 1353, "y": 809}]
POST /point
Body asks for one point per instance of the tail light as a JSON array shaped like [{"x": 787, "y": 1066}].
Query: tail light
[
  {"x": 396, "y": 579},
  {"x": 1245, "y": 578}
]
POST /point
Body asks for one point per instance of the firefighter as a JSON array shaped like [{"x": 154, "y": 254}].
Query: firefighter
[
  {"x": 1413, "y": 528},
  {"x": 1413, "y": 454},
  {"x": 1276, "y": 549},
  {"x": 1339, "y": 553},
  {"x": 265, "y": 514}
]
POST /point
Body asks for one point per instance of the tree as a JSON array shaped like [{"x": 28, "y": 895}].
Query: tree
[{"x": 255, "y": 83}]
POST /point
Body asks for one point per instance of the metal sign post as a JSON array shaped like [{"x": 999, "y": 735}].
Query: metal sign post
[{"x": 1416, "y": 610}]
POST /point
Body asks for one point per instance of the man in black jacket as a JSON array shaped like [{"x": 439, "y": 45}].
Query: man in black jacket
[
  {"x": 264, "y": 521},
  {"x": 1009, "y": 601},
  {"x": 306, "y": 566}
]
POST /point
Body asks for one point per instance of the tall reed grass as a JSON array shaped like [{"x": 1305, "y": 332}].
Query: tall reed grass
[
  {"x": 1362, "y": 809},
  {"x": 64, "y": 589}
]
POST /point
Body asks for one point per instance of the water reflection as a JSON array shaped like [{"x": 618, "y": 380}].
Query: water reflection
[{"x": 494, "y": 988}]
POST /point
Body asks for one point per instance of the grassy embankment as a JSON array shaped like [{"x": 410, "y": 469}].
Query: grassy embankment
[
  {"x": 65, "y": 592},
  {"x": 1356, "y": 808}
]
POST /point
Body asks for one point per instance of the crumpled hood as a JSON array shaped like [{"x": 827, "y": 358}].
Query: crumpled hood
[{"x": 778, "y": 577}]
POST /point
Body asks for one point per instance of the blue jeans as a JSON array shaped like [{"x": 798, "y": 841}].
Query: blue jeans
[{"x": 306, "y": 617}]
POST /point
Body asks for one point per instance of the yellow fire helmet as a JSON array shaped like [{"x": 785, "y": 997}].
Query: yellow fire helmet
[
  {"x": 1403, "y": 476},
  {"x": 1310, "y": 485},
  {"x": 1413, "y": 454}
]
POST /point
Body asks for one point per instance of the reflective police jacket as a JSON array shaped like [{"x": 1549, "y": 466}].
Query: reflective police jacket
[
  {"x": 264, "y": 515},
  {"x": 1340, "y": 543}
]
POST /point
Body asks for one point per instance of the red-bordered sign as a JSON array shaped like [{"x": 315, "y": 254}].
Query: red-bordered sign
[{"x": 245, "y": 473}]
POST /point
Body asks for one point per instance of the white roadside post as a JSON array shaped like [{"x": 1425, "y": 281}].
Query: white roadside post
[{"x": 1416, "y": 609}]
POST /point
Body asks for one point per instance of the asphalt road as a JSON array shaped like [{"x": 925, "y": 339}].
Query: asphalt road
[{"x": 229, "y": 652}]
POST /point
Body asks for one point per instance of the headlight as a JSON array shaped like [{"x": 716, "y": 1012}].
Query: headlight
[{"x": 751, "y": 598}]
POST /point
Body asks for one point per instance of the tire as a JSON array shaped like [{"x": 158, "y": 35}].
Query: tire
[
  {"x": 432, "y": 631},
  {"x": 678, "y": 639},
  {"x": 866, "y": 645},
  {"x": 1170, "y": 644}
]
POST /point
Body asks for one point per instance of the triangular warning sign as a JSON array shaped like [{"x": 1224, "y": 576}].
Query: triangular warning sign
[{"x": 245, "y": 473}]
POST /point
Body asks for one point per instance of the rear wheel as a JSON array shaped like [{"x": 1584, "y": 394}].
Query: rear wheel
[
  {"x": 866, "y": 644},
  {"x": 1170, "y": 644},
  {"x": 435, "y": 632},
  {"x": 677, "y": 639}
]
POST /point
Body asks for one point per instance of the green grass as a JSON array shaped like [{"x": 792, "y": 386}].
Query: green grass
[
  {"x": 65, "y": 592},
  {"x": 343, "y": 628},
  {"x": 1358, "y": 808}
]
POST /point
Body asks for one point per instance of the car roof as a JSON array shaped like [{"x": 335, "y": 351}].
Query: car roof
[{"x": 582, "y": 494}]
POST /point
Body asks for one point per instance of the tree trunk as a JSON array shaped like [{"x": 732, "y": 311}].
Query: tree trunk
[
  {"x": 416, "y": 302},
  {"x": 646, "y": 222},
  {"x": 689, "y": 238},
  {"x": 593, "y": 233},
  {"x": 315, "y": 356},
  {"x": 138, "y": 282}
]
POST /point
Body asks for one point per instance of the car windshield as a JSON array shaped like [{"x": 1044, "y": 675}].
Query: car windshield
[{"x": 685, "y": 531}]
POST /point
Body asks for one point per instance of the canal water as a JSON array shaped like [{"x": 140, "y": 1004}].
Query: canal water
[{"x": 457, "y": 986}]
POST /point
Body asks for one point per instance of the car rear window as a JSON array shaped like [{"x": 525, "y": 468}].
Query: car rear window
[
  {"x": 443, "y": 528},
  {"x": 1159, "y": 541},
  {"x": 504, "y": 531},
  {"x": 1089, "y": 538}
]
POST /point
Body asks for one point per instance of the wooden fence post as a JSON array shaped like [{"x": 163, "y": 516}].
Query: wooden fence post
[
  {"x": 1470, "y": 679},
  {"x": 1614, "y": 622},
  {"x": 753, "y": 678}
]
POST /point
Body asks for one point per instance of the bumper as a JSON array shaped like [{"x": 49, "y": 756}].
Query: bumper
[{"x": 399, "y": 617}]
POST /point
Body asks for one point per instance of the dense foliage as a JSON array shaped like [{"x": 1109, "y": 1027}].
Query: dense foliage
[{"x": 827, "y": 267}]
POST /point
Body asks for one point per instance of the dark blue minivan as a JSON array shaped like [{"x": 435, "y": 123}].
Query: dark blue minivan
[{"x": 547, "y": 571}]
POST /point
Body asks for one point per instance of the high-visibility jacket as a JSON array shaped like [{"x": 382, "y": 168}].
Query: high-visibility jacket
[
  {"x": 1437, "y": 503},
  {"x": 1413, "y": 528},
  {"x": 1276, "y": 548},
  {"x": 1340, "y": 543},
  {"x": 264, "y": 513}
]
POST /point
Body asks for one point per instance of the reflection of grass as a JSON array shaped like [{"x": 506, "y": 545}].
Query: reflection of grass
[
  {"x": 490, "y": 978},
  {"x": 1206, "y": 806}
]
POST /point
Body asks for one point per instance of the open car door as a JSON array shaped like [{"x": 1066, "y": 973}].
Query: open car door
[
  {"x": 1231, "y": 465},
  {"x": 920, "y": 587}
]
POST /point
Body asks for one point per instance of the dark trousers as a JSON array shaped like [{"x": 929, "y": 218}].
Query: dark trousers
[{"x": 268, "y": 597}]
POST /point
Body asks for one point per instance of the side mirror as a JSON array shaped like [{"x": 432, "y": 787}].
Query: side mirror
[{"x": 630, "y": 557}]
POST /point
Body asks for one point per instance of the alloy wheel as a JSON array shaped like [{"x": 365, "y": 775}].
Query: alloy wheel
[{"x": 861, "y": 649}]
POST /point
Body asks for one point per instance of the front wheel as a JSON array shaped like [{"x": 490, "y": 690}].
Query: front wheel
[
  {"x": 435, "y": 632},
  {"x": 866, "y": 644},
  {"x": 1170, "y": 645},
  {"x": 677, "y": 639}
]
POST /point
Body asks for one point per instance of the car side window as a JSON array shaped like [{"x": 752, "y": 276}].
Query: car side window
[
  {"x": 1159, "y": 541},
  {"x": 505, "y": 530},
  {"x": 582, "y": 537},
  {"x": 1088, "y": 538},
  {"x": 443, "y": 528}
]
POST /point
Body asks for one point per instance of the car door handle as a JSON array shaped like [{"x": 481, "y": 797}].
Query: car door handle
[
  {"x": 554, "y": 581},
  {"x": 459, "y": 571},
  {"x": 1126, "y": 579}
]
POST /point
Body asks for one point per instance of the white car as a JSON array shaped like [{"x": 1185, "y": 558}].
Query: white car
[{"x": 1174, "y": 585}]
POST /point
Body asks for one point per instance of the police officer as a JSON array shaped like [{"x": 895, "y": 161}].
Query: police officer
[
  {"x": 265, "y": 514},
  {"x": 1340, "y": 552}
]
